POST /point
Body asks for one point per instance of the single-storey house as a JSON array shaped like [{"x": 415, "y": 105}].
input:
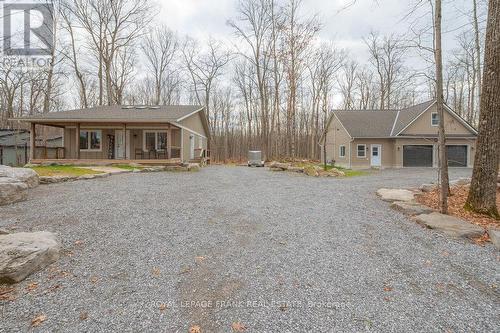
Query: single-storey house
[
  {"x": 124, "y": 134},
  {"x": 396, "y": 138}
]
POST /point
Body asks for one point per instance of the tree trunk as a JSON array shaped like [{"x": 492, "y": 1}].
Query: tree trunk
[
  {"x": 482, "y": 193},
  {"x": 443, "y": 160},
  {"x": 478, "y": 50}
]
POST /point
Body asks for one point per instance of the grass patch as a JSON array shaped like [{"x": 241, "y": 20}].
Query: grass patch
[
  {"x": 63, "y": 170},
  {"x": 354, "y": 173},
  {"x": 127, "y": 167},
  {"x": 348, "y": 172}
]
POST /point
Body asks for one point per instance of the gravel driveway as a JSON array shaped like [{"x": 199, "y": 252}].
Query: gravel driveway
[{"x": 275, "y": 252}]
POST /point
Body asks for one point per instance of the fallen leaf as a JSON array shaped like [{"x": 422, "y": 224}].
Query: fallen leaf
[
  {"x": 38, "y": 320},
  {"x": 195, "y": 329},
  {"x": 238, "y": 327},
  {"x": 6, "y": 294},
  {"x": 32, "y": 286},
  {"x": 387, "y": 288},
  {"x": 185, "y": 270},
  {"x": 283, "y": 307},
  {"x": 78, "y": 242},
  {"x": 481, "y": 240},
  {"x": 84, "y": 315},
  {"x": 199, "y": 258},
  {"x": 54, "y": 287},
  {"x": 456, "y": 208},
  {"x": 4, "y": 291},
  {"x": 162, "y": 307},
  {"x": 94, "y": 279},
  {"x": 387, "y": 299},
  {"x": 156, "y": 271}
]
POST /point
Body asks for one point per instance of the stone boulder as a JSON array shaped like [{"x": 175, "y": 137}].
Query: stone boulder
[
  {"x": 312, "y": 171},
  {"x": 391, "y": 195},
  {"x": 428, "y": 187},
  {"x": 24, "y": 253},
  {"x": 460, "y": 182},
  {"x": 295, "y": 169},
  {"x": 336, "y": 172},
  {"x": 12, "y": 191},
  {"x": 23, "y": 175},
  {"x": 495, "y": 237},
  {"x": 450, "y": 225},
  {"x": 176, "y": 168},
  {"x": 56, "y": 179},
  {"x": 154, "y": 168},
  {"x": 410, "y": 208},
  {"x": 193, "y": 167},
  {"x": 277, "y": 166}
]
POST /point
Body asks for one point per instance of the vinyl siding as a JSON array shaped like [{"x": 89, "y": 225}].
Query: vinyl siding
[
  {"x": 365, "y": 162},
  {"x": 422, "y": 125},
  {"x": 335, "y": 137}
]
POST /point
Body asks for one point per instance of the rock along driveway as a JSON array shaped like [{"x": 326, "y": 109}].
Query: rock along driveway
[{"x": 275, "y": 252}]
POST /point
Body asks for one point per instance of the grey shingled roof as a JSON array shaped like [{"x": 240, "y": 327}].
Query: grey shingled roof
[
  {"x": 406, "y": 116},
  {"x": 379, "y": 123},
  {"x": 367, "y": 124},
  {"x": 119, "y": 113}
]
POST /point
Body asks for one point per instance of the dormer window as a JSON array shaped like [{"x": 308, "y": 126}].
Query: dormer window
[{"x": 434, "y": 119}]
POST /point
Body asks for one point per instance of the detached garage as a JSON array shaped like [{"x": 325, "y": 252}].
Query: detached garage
[{"x": 407, "y": 137}]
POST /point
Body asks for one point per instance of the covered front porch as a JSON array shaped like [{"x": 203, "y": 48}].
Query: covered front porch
[{"x": 94, "y": 143}]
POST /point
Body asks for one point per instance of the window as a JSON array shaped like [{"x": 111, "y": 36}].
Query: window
[
  {"x": 90, "y": 140},
  {"x": 342, "y": 151},
  {"x": 161, "y": 140},
  {"x": 361, "y": 151},
  {"x": 154, "y": 140},
  {"x": 434, "y": 119},
  {"x": 150, "y": 141}
]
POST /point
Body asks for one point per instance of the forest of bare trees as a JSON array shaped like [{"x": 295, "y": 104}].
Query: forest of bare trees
[{"x": 272, "y": 88}]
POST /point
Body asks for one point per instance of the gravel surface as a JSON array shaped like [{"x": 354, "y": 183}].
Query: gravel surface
[{"x": 276, "y": 252}]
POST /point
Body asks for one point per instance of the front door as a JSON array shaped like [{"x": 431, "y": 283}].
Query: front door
[
  {"x": 119, "y": 144},
  {"x": 376, "y": 155}
]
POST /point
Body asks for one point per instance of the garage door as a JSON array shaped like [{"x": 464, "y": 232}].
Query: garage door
[
  {"x": 457, "y": 156},
  {"x": 417, "y": 156}
]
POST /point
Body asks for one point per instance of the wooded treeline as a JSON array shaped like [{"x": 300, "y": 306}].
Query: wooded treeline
[{"x": 272, "y": 88}]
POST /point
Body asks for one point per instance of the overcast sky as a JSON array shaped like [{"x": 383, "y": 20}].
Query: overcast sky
[{"x": 345, "y": 26}]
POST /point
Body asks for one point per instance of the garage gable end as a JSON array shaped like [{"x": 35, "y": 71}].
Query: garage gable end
[{"x": 426, "y": 124}]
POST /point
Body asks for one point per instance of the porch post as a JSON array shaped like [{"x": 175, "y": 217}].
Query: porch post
[
  {"x": 169, "y": 141},
  {"x": 125, "y": 141},
  {"x": 32, "y": 141},
  {"x": 77, "y": 141}
]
